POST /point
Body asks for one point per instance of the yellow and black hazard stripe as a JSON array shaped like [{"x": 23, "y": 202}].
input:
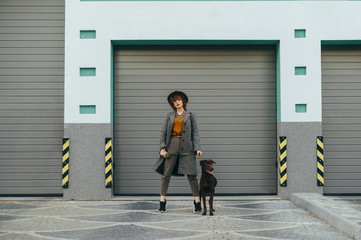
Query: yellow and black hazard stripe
[
  {"x": 283, "y": 161},
  {"x": 320, "y": 162},
  {"x": 108, "y": 163},
  {"x": 65, "y": 169}
]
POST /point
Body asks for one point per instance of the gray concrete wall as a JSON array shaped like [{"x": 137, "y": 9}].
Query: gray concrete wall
[
  {"x": 301, "y": 157},
  {"x": 86, "y": 162}
]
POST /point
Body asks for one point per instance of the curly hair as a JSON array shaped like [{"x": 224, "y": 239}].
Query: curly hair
[{"x": 176, "y": 97}]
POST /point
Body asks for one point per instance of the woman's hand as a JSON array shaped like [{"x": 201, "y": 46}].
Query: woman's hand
[
  {"x": 199, "y": 153},
  {"x": 163, "y": 153}
]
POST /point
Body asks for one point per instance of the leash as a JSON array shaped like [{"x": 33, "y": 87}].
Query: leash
[{"x": 182, "y": 154}]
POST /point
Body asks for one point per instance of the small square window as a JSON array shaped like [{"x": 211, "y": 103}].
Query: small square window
[
  {"x": 300, "y": 70},
  {"x": 87, "y": 72},
  {"x": 301, "y": 108},
  {"x": 87, "y": 34},
  {"x": 300, "y": 33},
  {"x": 87, "y": 109}
]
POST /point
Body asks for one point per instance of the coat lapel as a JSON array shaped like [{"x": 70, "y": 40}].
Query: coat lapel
[
  {"x": 186, "y": 117},
  {"x": 172, "y": 116}
]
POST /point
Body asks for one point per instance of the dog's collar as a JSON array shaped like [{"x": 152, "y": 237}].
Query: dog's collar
[{"x": 209, "y": 172}]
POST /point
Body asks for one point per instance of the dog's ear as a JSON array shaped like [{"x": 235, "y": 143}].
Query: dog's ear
[{"x": 213, "y": 162}]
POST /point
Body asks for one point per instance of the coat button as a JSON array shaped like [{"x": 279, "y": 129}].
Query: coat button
[
  {"x": 184, "y": 131},
  {"x": 181, "y": 148}
]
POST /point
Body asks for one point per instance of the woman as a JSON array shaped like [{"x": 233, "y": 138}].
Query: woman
[{"x": 179, "y": 145}]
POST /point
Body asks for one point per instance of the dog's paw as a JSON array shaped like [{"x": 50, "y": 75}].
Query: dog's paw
[{"x": 204, "y": 213}]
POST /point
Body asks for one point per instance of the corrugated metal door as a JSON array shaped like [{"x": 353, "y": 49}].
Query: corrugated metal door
[
  {"x": 31, "y": 96},
  {"x": 232, "y": 91},
  {"x": 341, "y": 110}
]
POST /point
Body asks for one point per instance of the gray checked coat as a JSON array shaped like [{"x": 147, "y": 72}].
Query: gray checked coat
[{"x": 190, "y": 143}]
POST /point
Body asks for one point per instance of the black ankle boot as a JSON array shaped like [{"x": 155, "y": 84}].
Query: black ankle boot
[
  {"x": 162, "y": 208},
  {"x": 197, "y": 207}
]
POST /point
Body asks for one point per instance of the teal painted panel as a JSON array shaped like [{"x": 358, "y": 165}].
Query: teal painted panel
[
  {"x": 300, "y": 70},
  {"x": 300, "y": 33},
  {"x": 87, "y": 109},
  {"x": 341, "y": 42},
  {"x": 194, "y": 42},
  {"x": 87, "y": 34},
  {"x": 87, "y": 72},
  {"x": 301, "y": 108},
  {"x": 278, "y": 82},
  {"x": 220, "y": 0},
  {"x": 112, "y": 83}
]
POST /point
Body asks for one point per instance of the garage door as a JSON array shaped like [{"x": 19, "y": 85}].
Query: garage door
[
  {"x": 31, "y": 96},
  {"x": 232, "y": 91},
  {"x": 341, "y": 97}
]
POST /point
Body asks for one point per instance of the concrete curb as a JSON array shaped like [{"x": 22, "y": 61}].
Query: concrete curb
[{"x": 321, "y": 207}]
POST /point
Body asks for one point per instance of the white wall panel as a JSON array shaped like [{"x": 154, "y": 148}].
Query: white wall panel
[{"x": 203, "y": 20}]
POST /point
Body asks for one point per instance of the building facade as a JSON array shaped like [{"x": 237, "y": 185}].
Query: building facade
[{"x": 273, "y": 83}]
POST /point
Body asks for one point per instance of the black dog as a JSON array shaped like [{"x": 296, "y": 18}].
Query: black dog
[{"x": 207, "y": 184}]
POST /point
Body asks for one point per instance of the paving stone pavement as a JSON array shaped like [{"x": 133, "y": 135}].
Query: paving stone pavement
[{"x": 238, "y": 219}]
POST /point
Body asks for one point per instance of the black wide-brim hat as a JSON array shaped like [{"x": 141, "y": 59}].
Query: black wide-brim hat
[{"x": 177, "y": 93}]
